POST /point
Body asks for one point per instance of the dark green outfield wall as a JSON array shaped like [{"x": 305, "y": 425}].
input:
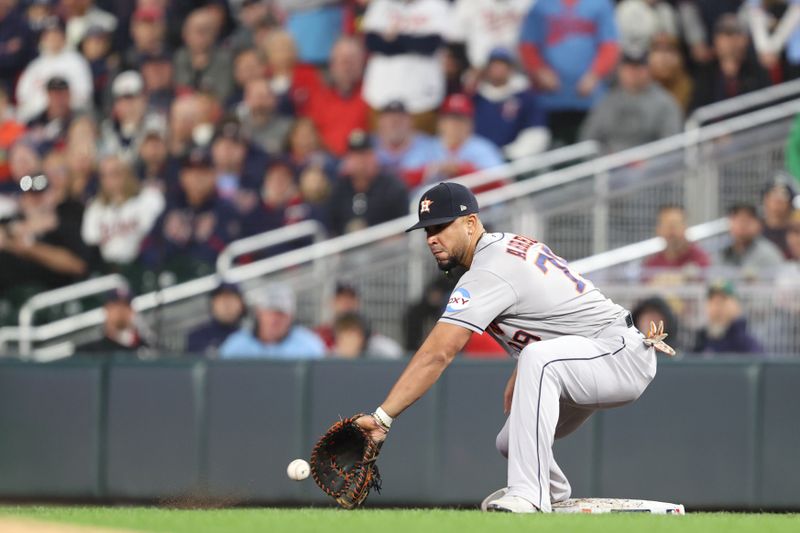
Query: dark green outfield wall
[{"x": 706, "y": 434}]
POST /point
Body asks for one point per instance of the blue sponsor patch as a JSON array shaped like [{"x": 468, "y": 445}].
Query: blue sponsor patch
[{"x": 459, "y": 300}]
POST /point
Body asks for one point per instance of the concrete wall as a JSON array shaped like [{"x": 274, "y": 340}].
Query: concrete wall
[{"x": 706, "y": 434}]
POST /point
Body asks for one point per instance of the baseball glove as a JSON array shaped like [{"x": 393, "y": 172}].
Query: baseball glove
[{"x": 343, "y": 463}]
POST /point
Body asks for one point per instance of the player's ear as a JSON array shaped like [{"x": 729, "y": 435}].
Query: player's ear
[{"x": 472, "y": 224}]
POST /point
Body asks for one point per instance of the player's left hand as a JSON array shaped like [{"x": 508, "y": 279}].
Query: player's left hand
[{"x": 376, "y": 432}]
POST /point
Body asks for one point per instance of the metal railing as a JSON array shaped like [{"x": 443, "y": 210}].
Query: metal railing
[
  {"x": 25, "y": 334},
  {"x": 528, "y": 165},
  {"x": 772, "y": 311},
  {"x": 54, "y": 297},
  {"x": 580, "y": 210},
  {"x": 225, "y": 263},
  {"x": 293, "y": 232},
  {"x": 643, "y": 249},
  {"x": 744, "y": 103}
]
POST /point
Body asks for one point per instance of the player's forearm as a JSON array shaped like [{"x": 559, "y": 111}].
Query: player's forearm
[
  {"x": 436, "y": 353},
  {"x": 418, "y": 377}
]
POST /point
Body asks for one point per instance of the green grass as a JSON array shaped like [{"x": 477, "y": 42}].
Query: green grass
[{"x": 269, "y": 520}]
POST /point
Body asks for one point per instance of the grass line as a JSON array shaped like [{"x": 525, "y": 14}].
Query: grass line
[{"x": 271, "y": 520}]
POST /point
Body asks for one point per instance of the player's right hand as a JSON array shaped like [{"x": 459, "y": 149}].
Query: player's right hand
[
  {"x": 509, "y": 392},
  {"x": 376, "y": 432}
]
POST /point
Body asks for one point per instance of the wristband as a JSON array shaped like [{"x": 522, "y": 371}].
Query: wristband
[{"x": 382, "y": 418}]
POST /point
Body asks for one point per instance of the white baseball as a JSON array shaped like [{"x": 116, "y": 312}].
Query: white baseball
[{"x": 298, "y": 469}]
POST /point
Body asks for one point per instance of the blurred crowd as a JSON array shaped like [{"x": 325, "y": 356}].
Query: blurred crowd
[
  {"x": 762, "y": 246},
  {"x": 141, "y": 137},
  {"x": 263, "y": 328},
  {"x": 760, "y": 257}
]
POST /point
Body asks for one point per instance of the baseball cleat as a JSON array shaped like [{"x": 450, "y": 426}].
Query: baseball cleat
[
  {"x": 496, "y": 495},
  {"x": 511, "y": 504}
]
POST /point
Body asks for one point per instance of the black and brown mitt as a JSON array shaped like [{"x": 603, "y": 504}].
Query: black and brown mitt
[{"x": 343, "y": 463}]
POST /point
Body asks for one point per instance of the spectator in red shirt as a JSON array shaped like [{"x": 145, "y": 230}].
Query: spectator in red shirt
[
  {"x": 679, "y": 252},
  {"x": 336, "y": 107}
]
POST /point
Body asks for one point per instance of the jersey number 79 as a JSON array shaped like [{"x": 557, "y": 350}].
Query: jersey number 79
[{"x": 546, "y": 255}]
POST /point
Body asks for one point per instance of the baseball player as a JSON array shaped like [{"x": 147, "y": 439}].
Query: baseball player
[{"x": 576, "y": 350}]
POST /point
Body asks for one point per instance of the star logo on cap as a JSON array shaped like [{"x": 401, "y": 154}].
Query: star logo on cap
[{"x": 425, "y": 206}]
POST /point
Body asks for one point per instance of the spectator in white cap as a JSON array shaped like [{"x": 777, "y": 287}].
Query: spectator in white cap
[
  {"x": 152, "y": 158},
  {"x": 123, "y": 131},
  {"x": 274, "y": 333}
]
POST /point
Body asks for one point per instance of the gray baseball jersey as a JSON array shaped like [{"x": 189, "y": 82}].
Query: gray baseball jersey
[{"x": 519, "y": 292}]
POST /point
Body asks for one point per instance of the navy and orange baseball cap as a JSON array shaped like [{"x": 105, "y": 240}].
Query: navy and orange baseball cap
[{"x": 444, "y": 203}]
